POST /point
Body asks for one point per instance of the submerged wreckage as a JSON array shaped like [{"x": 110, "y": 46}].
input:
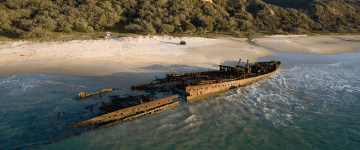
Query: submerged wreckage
[{"x": 189, "y": 86}]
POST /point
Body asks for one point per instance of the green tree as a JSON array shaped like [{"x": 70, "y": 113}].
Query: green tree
[
  {"x": 166, "y": 28},
  {"x": 4, "y": 21},
  {"x": 81, "y": 26},
  {"x": 35, "y": 32},
  {"x": 134, "y": 28},
  {"x": 188, "y": 27}
]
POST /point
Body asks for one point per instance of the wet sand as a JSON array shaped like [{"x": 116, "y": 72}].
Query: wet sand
[{"x": 156, "y": 53}]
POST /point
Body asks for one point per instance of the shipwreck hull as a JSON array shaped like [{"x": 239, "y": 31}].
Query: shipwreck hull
[
  {"x": 131, "y": 112},
  {"x": 191, "y": 86},
  {"x": 146, "y": 113},
  {"x": 199, "y": 92}
]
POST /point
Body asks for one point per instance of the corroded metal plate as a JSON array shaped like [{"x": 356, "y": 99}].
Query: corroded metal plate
[
  {"x": 198, "y": 92},
  {"x": 119, "y": 114},
  {"x": 150, "y": 112}
]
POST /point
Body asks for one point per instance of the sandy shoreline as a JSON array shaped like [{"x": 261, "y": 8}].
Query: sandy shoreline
[{"x": 155, "y": 53}]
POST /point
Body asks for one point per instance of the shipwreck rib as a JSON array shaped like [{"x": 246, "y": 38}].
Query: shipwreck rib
[
  {"x": 123, "y": 113},
  {"x": 146, "y": 113}
]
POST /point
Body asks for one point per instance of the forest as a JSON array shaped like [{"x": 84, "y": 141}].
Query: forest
[{"x": 40, "y": 18}]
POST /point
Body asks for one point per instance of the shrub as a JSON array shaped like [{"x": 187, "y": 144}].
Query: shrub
[
  {"x": 4, "y": 21},
  {"x": 188, "y": 27},
  {"x": 237, "y": 33},
  {"x": 277, "y": 31},
  {"x": 252, "y": 34},
  {"x": 200, "y": 31},
  {"x": 207, "y": 25},
  {"x": 35, "y": 32},
  {"x": 179, "y": 29},
  {"x": 133, "y": 28},
  {"x": 245, "y": 25},
  {"x": 81, "y": 25},
  {"x": 166, "y": 28},
  {"x": 299, "y": 31},
  {"x": 45, "y": 22}
]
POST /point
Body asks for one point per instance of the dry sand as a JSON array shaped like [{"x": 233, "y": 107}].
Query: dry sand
[
  {"x": 155, "y": 53},
  {"x": 311, "y": 44}
]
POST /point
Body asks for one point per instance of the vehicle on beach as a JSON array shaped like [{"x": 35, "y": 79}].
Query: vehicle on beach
[
  {"x": 184, "y": 88},
  {"x": 182, "y": 43}
]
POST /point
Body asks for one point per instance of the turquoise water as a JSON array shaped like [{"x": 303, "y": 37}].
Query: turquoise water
[{"x": 313, "y": 102}]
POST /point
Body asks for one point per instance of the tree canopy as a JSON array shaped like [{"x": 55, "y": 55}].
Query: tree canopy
[{"x": 38, "y": 18}]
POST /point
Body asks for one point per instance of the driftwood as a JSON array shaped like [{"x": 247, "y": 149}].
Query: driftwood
[{"x": 83, "y": 95}]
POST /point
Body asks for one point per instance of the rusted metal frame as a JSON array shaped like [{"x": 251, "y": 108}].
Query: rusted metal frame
[
  {"x": 225, "y": 79},
  {"x": 195, "y": 91},
  {"x": 196, "y": 81},
  {"x": 202, "y": 91},
  {"x": 202, "y": 78},
  {"x": 119, "y": 114},
  {"x": 149, "y": 112},
  {"x": 193, "y": 78}
]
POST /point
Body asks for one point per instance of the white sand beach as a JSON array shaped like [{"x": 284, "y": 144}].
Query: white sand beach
[
  {"x": 311, "y": 44},
  {"x": 138, "y": 53}
]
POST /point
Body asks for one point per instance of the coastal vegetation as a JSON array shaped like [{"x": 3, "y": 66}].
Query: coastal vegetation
[{"x": 26, "y": 19}]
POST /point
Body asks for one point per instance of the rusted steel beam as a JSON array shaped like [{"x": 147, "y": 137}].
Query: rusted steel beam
[
  {"x": 83, "y": 95},
  {"x": 149, "y": 112},
  {"x": 198, "y": 92},
  {"x": 119, "y": 114}
]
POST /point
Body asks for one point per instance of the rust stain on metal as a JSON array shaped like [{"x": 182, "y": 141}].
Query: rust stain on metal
[
  {"x": 199, "y": 85},
  {"x": 198, "y": 92},
  {"x": 192, "y": 86},
  {"x": 119, "y": 114},
  {"x": 150, "y": 112}
]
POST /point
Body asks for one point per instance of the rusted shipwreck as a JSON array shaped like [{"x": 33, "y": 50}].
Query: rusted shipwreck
[{"x": 185, "y": 88}]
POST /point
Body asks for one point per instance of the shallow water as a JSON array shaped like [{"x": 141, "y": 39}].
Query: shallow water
[{"x": 311, "y": 103}]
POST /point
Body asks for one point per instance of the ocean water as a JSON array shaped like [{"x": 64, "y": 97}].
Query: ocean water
[{"x": 313, "y": 102}]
